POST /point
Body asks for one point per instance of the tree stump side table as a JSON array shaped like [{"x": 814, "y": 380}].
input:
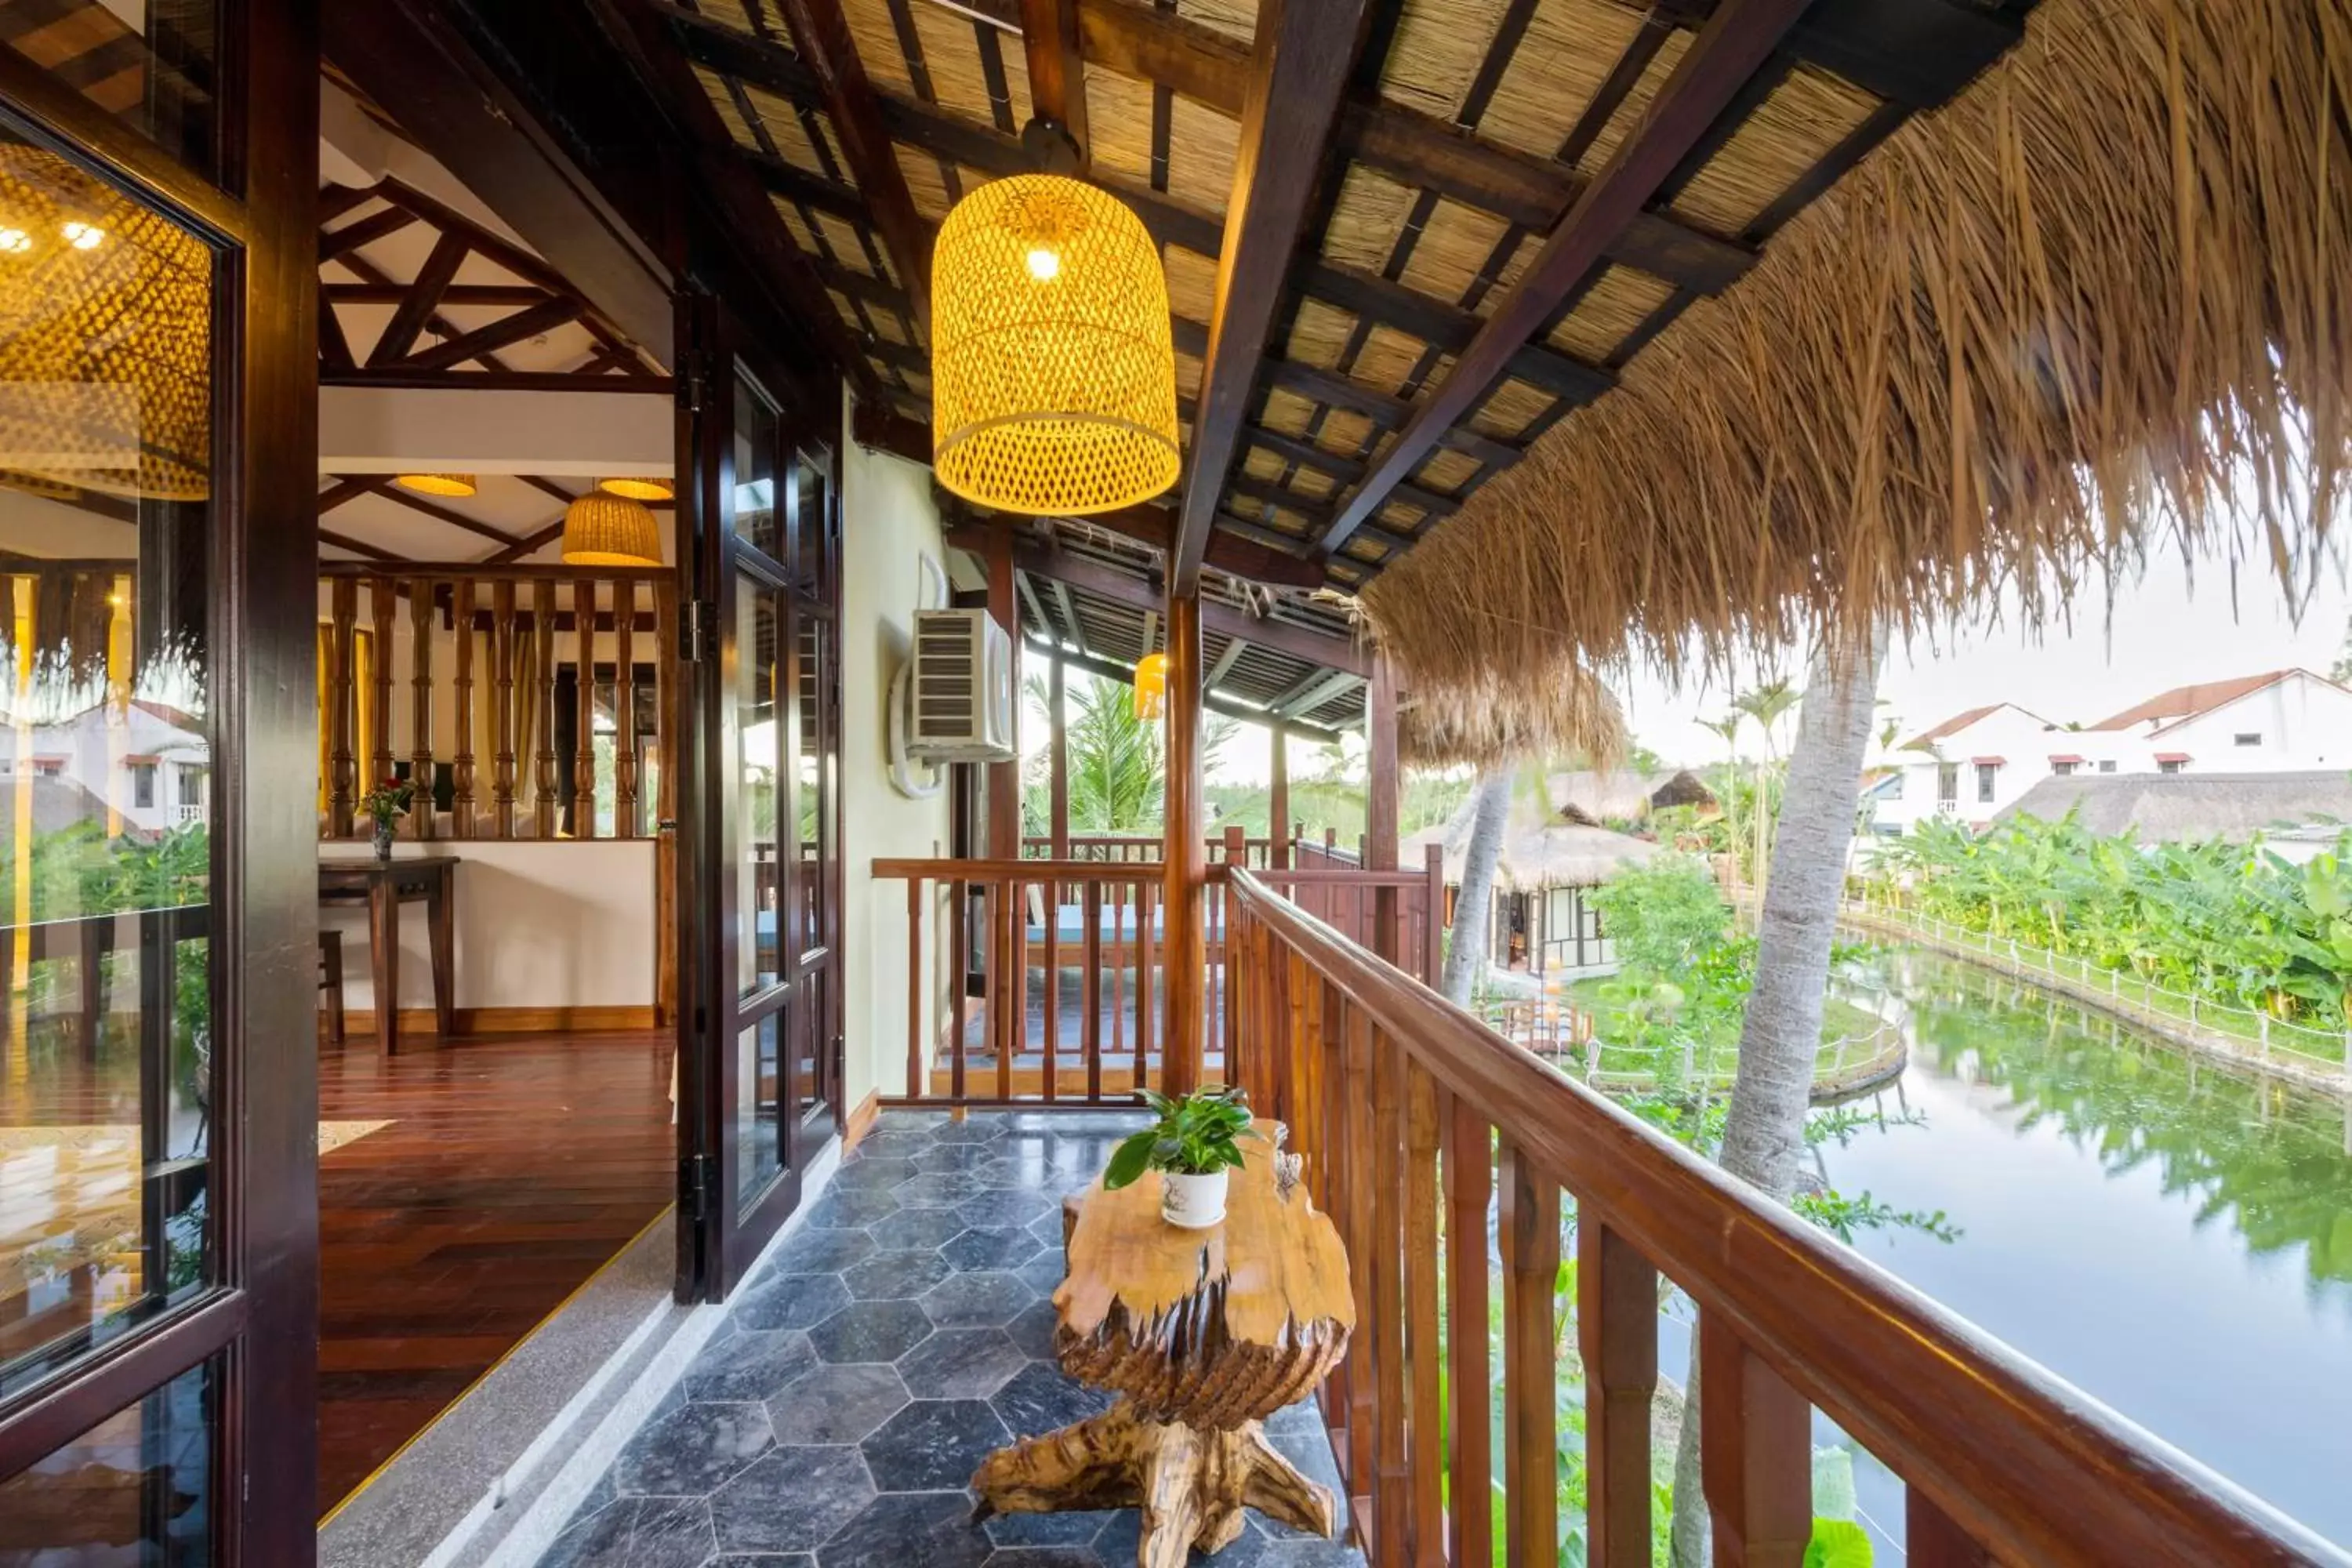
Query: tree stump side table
[{"x": 1203, "y": 1333}]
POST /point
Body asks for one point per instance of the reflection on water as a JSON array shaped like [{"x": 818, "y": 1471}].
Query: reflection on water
[{"x": 2172, "y": 1239}]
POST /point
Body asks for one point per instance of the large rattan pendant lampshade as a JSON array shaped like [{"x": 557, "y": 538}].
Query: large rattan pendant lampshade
[
  {"x": 1053, "y": 378},
  {"x": 602, "y": 530},
  {"x": 105, "y": 336}
]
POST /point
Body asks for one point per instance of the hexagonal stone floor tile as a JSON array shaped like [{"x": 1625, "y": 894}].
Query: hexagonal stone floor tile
[
  {"x": 878, "y": 1173},
  {"x": 836, "y": 1405},
  {"x": 1004, "y": 1209},
  {"x": 692, "y": 1449},
  {"x": 752, "y": 1364},
  {"x": 896, "y": 1276},
  {"x": 931, "y": 1529},
  {"x": 937, "y": 1190},
  {"x": 871, "y": 1330},
  {"x": 822, "y": 1251},
  {"x": 851, "y": 1209},
  {"x": 986, "y": 1298},
  {"x": 962, "y": 1363},
  {"x": 791, "y": 1302},
  {"x": 916, "y": 1230},
  {"x": 790, "y": 1500},
  {"x": 636, "y": 1533},
  {"x": 952, "y": 1157},
  {"x": 1031, "y": 1329},
  {"x": 932, "y": 1445},
  {"x": 990, "y": 1248},
  {"x": 1040, "y": 1398}
]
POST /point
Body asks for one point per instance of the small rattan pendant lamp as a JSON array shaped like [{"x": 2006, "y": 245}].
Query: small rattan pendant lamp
[
  {"x": 1053, "y": 376},
  {"x": 601, "y": 530}
]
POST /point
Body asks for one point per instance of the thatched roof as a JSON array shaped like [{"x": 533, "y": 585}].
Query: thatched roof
[
  {"x": 1624, "y": 793},
  {"x": 1492, "y": 723},
  {"x": 1541, "y": 848},
  {"x": 2062, "y": 315},
  {"x": 2185, "y": 808}
]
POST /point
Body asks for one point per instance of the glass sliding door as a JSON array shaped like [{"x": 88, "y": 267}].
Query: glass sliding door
[
  {"x": 763, "y": 817},
  {"x": 158, "y": 462}
]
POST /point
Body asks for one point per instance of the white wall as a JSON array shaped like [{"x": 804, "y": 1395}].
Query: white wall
[
  {"x": 888, "y": 522},
  {"x": 538, "y": 925},
  {"x": 2303, "y": 723}
]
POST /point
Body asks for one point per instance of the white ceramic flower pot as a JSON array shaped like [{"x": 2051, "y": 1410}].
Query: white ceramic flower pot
[{"x": 1194, "y": 1202}]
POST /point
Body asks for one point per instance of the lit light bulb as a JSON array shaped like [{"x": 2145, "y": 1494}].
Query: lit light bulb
[
  {"x": 84, "y": 235},
  {"x": 117, "y": 600},
  {"x": 1044, "y": 265},
  {"x": 15, "y": 242}
]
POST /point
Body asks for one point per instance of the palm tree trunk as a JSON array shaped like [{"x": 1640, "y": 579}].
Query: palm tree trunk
[
  {"x": 1473, "y": 907},
  {"x": 1781, "y": 1034}
]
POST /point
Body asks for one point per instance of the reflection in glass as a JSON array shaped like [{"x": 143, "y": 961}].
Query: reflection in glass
[
  {"x": 808, "y": 796},
  {"x": 148, "y": 63},
  {"x": 133, "y": 1490},
  {"x": 105, "y": 1086},
  {"x": 758, "y": 516},
  {"x": 812, "y": 523},
  {"x": 759, "y": 1134},
  {"x": 759, "y": 622}
]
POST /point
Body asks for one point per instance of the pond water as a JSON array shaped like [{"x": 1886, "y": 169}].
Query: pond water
[{"x": 2174, "y": 1240}]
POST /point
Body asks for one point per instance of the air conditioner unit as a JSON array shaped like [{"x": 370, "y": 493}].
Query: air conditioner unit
[{"x": 963, "y": 688}]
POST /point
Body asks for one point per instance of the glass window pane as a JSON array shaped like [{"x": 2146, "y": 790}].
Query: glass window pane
[
  {"x": 759, "y": 1136},
  {"x": 106, "y": 1081},
  {"x": 812, "y": 522},
  {"x": 812, "y": 1041},
  {"x": 809, "y": 805},
  {"x": 759, "y": 628},
  {"x": 757, "y": 518},
  {"x": 148, "y": 63},
  {"x": 136, "y": 1488}
]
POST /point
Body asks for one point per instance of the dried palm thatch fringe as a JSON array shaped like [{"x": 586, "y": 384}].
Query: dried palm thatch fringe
[
  {"x": 2096, "y": 303},
  {"x": 1487, "y": 724}
]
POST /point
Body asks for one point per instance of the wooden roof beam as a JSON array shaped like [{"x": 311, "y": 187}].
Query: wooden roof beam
[
  {"x": 822, "y": 40},
  {"x": 1736, "y": 42},
  {"x": 1214, "y": 701},
  {"x": 1313, "y": 692},
  {"x": 1057, "y": 71},
  {"x": 1234, "y": 648},
  {"x": 1305, "y": 50}
]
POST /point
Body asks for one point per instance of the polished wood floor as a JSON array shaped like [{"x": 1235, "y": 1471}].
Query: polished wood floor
[{"x": 512, "y": 1168}]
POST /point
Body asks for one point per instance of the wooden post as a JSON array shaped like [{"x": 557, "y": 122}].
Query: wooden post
[
  {"x": 503, "y": 749},
  {"x": 420, "y": 706},
  {"x": 1059, "y": 761},
  {"x": 1185, "y": 855},
  {"x": 624, "y": 711},
  {"x": 1380, "y": 801},
  {"x": 461, "y": 767},
  {"x": 343, "y": 701},
  {"x": 542, "y": 709},
  {"x": 584, "y": 701},
  {"x": 1277, "y": 824},
  {"x": 1008, "y": 975},
  {"x": 383, "y": 605}
]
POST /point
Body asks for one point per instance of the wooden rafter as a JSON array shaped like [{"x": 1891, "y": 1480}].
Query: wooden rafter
[
  {"x": 1216, "y": 703},
  {"x": 1306, "y": 49},
  {"x": 1314, "y": 691},
  {"x": 1057, "y": 71},
  {"x": 1736, "y": 42},
  {"x": 821, "y": 39}
]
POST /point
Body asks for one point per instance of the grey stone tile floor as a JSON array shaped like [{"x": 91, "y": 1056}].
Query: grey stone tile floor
[{"x": 894, "y": 1340}]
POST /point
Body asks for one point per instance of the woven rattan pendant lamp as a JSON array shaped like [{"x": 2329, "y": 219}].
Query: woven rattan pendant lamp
[
  {"x": 1053, "y": 376},
  {"x": 601, "y": 530}
]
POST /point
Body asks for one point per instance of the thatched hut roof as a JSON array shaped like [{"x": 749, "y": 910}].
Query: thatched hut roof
[
  {"x": 2029, "y": 330},
  {"x": 1491, "y": 723},
  {"x": 2179, "y": 809},
  {"x": 1623, "y": 794},
  {"x": 1541, "y": 847}
]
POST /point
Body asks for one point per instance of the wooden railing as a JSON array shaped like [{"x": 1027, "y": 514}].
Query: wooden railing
[
  {"x": 1038, "y": 981},
  {"x": 507, "y": 632},
  {"x": 1133, "y": 848},
  {"x": 1421, "y": 1129}
]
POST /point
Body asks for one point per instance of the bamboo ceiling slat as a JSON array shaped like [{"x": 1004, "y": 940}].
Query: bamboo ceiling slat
[
  {"x": 1309, "y": 482},
  {"x": 1447, "y": 471},
  {"x": 1619, "y": 302},
  {"x": 1119, "y": 116},
  {"x": 1344, "y": 431},
  {"x": 1366, "y": 218},
  {"x": 1637, "y": 102},
  {"x": 1454, "y": 249},
  {"x": 953, "y": 59},
  {"x": 876, "y": 39},
  {"x": 1191, "y": 283},
  {"x": 925, "y": 183},
  {"x": 1791, "y": 131},
  {"x": 1439, "y": 46},
  {"x": 1568, "y": 50},
  {"x": 1318, "y": 333},
  {"x": 1508, "y": 410},
  {"x": 1234, "y": 18}
]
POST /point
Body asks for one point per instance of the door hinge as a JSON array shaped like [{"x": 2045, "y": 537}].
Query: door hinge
[
  {"x": 695, "y": 1179},
  {"x": 694, "y": 382},
  {"x": 699, "y": 631}
]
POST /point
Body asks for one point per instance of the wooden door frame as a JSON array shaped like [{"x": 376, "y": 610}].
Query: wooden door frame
[{"x": 261, "y": 1318}]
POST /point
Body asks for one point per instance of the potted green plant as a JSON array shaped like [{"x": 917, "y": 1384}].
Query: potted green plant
[
  {"x": 387, "y": 803},
  {"x": 1195, "y": 1143}
]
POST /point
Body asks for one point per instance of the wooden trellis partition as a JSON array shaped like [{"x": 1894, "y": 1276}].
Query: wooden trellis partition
[{"x": 494, "y": 659}]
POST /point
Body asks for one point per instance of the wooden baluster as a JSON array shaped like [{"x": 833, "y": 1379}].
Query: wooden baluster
[
  {"x": 583, "y": 744},
  {"x": 1146, "y": 1017},
  {"x": 383, "y": 606},
  {"x": 1432, "y": 913},
  {"x": 918, "y": 1077},
  {"x": 1090, "y": 981},
  {"x": 1050, "y": 1051},
  {"x": 543, "y": 708},
  {"x": 420, "y": 706},
  {"x": 1363, "y": 1176},
  {"x": 461, "y": 768},
  {"x": 958, "y": 924},
  {"x": 1330, "y": 1047},
  {"x": 1053, "y": 933},
  {"x": 1756, "y": 1454},
  {"x": 1932, "y": 1540},
  {"x": 1236, "y": 849},
  {"x": 342, "y": 775},
  {"x": 1470, "y": 1460},
  {"x": 1423, "y": 1350},
  {"x": 1617, "y": 1332},
  {"x": 624, "y": 723},
  {"x": 1393, "y": 1536},
  {"x": 1530, "y": 1237},
  {"x": 1119, "y": 901},
  {"x": 1007, "y": 978},
  {"x": 502, "y": 708}
]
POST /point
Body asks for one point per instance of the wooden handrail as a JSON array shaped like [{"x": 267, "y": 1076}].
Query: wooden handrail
[{"x": 2001, "y": 1455}]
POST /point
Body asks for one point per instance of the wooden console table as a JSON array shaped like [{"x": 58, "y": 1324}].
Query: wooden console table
[
  {"x": 1203, "y": 1333},
  {"x": 383, "y": 887}
]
